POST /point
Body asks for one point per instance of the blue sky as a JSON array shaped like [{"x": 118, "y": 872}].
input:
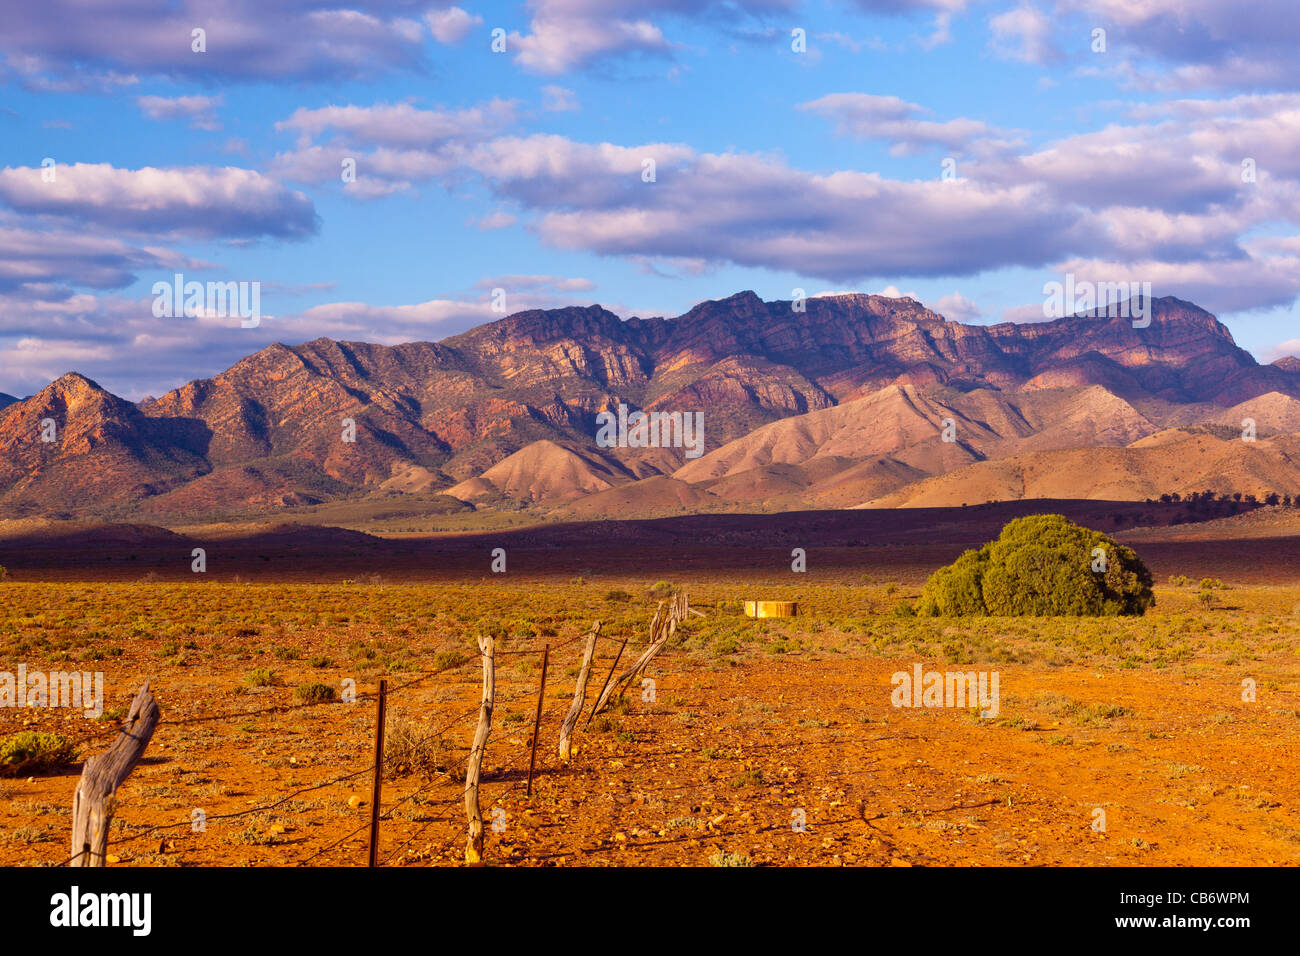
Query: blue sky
[{"x": 776, "y": 169}]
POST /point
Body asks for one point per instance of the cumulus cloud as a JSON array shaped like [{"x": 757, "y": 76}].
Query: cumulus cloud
[
  {"x": 1024, "y": 34},
  {"x": 196, "y": 201},
  {"x": 570, "y": 34},
  {"x": 558, "y": 45},
  {"x": 390, "y": 146},
  {"x": 1198, "y": 44},
  {"x": 86, "y": 43},
  {"x": 43, "y": 264},
  {"x": 496, "y": 220},
  {"x": 1251, "y": 281},
  {"x": 957, "y": 307},
  {"x": 452, "y": 24},
  {"x": 868, "y": 116},
  {"x": 535, "y": 283},
  {"x": 199, "y": 110},
  {"x": 757, "y": 211},
  {"x": 1291, "y": 347},
  {"x": 556, "y": 99},
  {"x": 1169, "y": 190},
  {"x": 1169, "y": 194},
  {"x": 893, "y": 292},
  {"x": 401, "y": 125}
]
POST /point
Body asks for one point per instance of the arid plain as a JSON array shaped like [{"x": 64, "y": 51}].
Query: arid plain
[{"x": 760, "y": 742}]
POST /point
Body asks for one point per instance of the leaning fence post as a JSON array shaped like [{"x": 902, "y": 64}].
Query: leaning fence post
[
  {"x": 662, "y": 627},
  {"x": 474, "y": 846},
  {"x": 92, "y": 803},
  {"x": 537, "y": 721},
  {"x": 608, "y": 677},
  {"x": 379, "y": 774},
  {"x": 579, "y": 695}
]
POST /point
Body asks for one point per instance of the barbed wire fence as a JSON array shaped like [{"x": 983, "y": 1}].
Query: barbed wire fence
[{"x": 92, "y": 818}]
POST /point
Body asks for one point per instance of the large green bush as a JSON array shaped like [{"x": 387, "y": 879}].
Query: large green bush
[{"x": 1040, "y": 566}]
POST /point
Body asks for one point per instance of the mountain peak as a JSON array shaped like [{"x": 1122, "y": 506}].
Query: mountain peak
[
  {"x": 72, "y": 382},
  {"x": 745, "y": 302}
]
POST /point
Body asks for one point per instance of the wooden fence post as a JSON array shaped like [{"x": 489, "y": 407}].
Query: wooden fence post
[
  {"x": 537, "y": 721},
  {"x": 92, "y": 803},
  {"x": 474, "y": 845},
  {"x": 379, "y": 774},
  {"x": 579, "y": 695},
  {"x": 662, "y": 628},
  {"x": 605, "y": 686}
]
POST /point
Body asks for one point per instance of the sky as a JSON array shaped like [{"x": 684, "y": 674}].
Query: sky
[{"x": 394, "y": 170}]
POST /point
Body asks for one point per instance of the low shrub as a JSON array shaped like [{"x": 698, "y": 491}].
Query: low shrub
[
  {"x": 313, "y": 693},
  {"x": 28, "y": 752}
]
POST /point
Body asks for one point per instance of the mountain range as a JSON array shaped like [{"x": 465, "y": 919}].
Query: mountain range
[{"x": 837, "y": 401}]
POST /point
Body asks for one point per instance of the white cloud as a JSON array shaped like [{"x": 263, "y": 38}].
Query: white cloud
[
  {"x": 402, "y": 125},
  {"x": 80, "y": 44},
  {"x": 451, "y": 25},
  {"x": 893, "y": 292},
  {"x": 557, "y": 45},
  {"x": 496, "y": 220},
  {"x": 1291, "y": 347},
  {"x": 556, "y": 99},
  {"x": 869, "y": 116},
  {"x": 1024, "y": 34},
  {"x": 201, "y": 201},
  {"x": 535, "y": 283},
  {"x": 1196, "y": 44},
  {"x": 199, "y": 110},
  {"x": 957, "y": 308}
]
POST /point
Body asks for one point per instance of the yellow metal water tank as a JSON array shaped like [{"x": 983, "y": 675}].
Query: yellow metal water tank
[{"x": 771, "y": 608}]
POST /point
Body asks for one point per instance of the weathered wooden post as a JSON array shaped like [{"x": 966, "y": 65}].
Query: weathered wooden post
[
  {"x": 92, "y": 803},
  {"x": 377, "y": 787},
  {"x": 537, "y": 721},
  {"x": 662, "y": 628},
  {"x": 579, "y": 695},
  {"x": 474, "y": 846},
  {"x": 608, "y": 677}
]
